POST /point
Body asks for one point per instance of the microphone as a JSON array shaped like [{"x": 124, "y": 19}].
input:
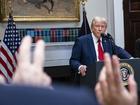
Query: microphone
[
  {"x": 111, "y": 41},
  {"x": 108, "y": 36},
  {"x": 103, "y": 35}
]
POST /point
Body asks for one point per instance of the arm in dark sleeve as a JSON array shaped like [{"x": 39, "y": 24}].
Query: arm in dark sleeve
[
  {"x": 121, "y": 53},
  {"x": 76, "y": 55}
]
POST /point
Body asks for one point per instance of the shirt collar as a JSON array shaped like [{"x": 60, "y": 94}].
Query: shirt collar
[{"x": 95, "y": 38}]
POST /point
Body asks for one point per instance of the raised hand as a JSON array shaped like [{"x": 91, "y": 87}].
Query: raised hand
[
  {"x": 110, "y": 90},
  {"x": 30, "y": 71}
]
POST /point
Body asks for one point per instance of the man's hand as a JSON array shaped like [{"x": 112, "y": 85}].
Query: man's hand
[
  {"x": 110, "y": 90},
  {"x": 82, "y": 70},
  {"x": 30, "y": 71}
]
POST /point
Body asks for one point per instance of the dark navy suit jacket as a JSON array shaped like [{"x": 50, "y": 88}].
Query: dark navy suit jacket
[
  {"x": 83, "y": 51},
  {"x": 24, "y": 95}
]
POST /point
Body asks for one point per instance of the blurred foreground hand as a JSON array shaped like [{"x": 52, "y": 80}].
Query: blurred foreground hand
[
  {"x": 30, "y": 72},
  {"x": 110, "y": 90}
]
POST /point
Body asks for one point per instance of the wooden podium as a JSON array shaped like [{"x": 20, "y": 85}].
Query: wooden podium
[{"x": 128, "y": 66}]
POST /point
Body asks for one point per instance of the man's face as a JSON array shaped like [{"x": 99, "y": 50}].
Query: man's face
[{"x": 98, "y": 28}]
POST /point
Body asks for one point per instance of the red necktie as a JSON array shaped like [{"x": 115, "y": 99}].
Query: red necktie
[{"x": 100, "y": 51}]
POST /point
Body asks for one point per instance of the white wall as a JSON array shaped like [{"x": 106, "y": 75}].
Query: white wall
[
  {"x": 119, "y": 23},
  {"x": 96, "y": 8},
  {"x": 59, "y": 53}
]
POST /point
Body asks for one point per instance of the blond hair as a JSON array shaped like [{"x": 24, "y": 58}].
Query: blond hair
[{"x": 98, "y": 19}]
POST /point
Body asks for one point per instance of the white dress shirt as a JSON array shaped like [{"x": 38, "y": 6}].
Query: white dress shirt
[{"x": 95, "y": 41}]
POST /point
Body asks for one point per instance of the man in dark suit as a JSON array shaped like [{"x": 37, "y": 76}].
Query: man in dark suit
[{"x": 90, "y": 48}]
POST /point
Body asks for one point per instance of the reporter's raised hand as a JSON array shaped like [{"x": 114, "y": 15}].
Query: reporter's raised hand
[
  {"x": 30, "y": 71},
  {"x": 110, "y": 90}
]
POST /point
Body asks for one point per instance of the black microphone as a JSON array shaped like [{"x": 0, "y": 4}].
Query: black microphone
[
  {"x": 111, "y": 41},
  {"x": 110, "y": 37},
  {"x": 103, "y": 35},
  {"x": 107, "y": 36}
]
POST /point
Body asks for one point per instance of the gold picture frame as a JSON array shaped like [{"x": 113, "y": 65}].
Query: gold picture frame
[{"x": 41, "y": 10}]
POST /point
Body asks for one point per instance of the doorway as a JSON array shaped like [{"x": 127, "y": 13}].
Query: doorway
[{"x": 131, "y": 24}]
